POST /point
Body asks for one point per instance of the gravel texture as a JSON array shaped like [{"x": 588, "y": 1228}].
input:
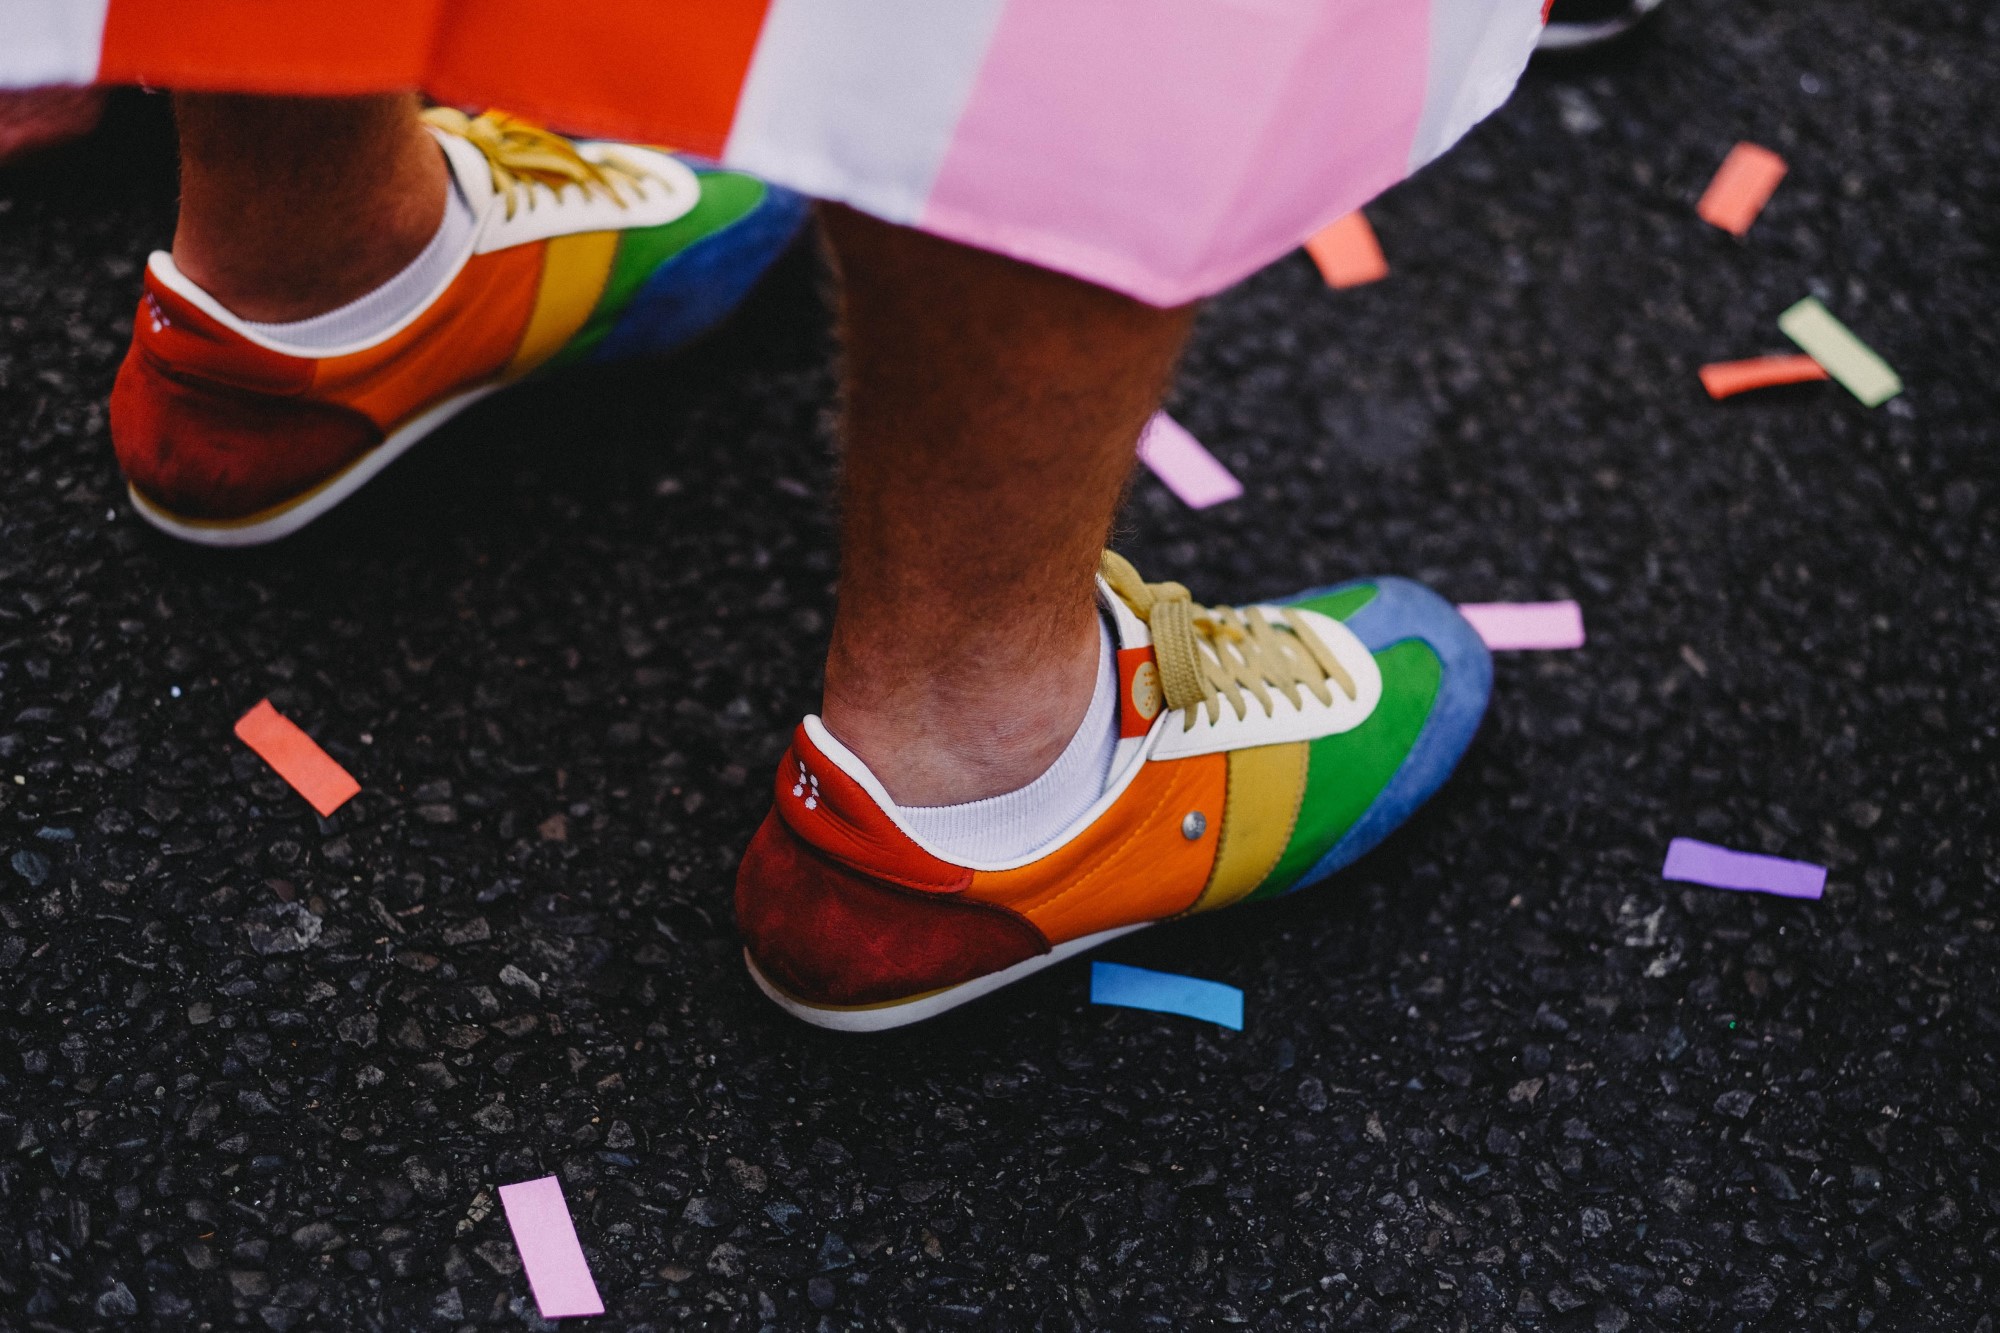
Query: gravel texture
[{"x": 263, "y": 1070}]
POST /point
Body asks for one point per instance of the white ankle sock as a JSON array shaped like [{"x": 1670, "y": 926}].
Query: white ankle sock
[
  {"x": 379, "y": 311},
  {"x": 1001, "y": 828}
]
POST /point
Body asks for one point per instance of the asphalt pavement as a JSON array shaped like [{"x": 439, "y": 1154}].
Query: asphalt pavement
[{"x": 263, "y": 1070}]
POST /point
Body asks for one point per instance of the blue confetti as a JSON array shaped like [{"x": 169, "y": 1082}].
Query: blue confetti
[{"x": 1166, "y": 993}]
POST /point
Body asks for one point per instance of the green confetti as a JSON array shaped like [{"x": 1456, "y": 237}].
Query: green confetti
[{"x": 1846, "y": 358}]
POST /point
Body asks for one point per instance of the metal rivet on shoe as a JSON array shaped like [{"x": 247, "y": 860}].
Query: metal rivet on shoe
[{"x": 1194, "y": 825}]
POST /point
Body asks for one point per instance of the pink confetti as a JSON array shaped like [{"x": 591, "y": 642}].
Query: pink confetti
[
  {"x": 1514, "y": 625},
  {"x": 1189, "y": 471},
  {"x": 1698, "y": 862},
  {"x": 543, "y": 1233}
]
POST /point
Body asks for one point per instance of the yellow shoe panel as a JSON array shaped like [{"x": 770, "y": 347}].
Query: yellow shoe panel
[
  {"x": 1265, "y": 784},
  {"x": 573, "y": 272}
]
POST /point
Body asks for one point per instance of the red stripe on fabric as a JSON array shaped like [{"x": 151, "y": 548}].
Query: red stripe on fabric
[
  {"x": 606, "y": 67},
  {"x": 269, "y": 46}
]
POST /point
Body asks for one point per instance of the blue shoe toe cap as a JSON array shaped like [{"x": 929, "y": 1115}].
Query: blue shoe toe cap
[
  {"x": 699, "y": 287},
  {"x": 1402, "y": 610}
]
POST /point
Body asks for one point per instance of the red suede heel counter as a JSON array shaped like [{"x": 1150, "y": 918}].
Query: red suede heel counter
[
  {"x": 202, "y": 449},
  {"x": 210, "y": 425},
  {"x": 831, "y": 935}
]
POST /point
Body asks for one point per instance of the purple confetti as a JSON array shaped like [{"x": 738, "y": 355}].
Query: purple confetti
[{"x": 1719, "y": 868}]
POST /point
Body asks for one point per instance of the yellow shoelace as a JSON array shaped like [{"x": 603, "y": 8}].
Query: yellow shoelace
[
  {"x": 522, "y": 156},
  {"x": 1244, "y": 651}
]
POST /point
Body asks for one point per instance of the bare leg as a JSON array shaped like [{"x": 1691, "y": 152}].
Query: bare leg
[
  {"x": 990, "y": 415},
  {"x": 293, "y": 206},
  {"x": 32, "y": 119}
]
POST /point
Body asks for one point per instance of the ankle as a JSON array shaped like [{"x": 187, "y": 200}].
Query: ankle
[
  {"x": 962, "y": 734},
  {"x": 274, "y": 249}
]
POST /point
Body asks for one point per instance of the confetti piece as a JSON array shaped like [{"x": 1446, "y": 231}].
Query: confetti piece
[
  {"x": 1704, "y": 863},
  {"x": 1513, "y": 625},
  {"x": 1846, "y": 358},
  {"x": 1742, "y": 186},
  {"x": 1724, "y": 379},
  {"x": 312, "y": 772},
  {"x": 1347, "y": 252},
  {"x": 1189, "y": 471},
  {"x": 543, "y": 1233},
  {"x": 1166, "y": 993}
]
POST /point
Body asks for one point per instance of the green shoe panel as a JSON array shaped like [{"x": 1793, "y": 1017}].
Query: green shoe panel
[
  {"x": 1347, "y": 772},
  {"x": 727, "y": 197},
  {"x": 1342, "y": 602}
]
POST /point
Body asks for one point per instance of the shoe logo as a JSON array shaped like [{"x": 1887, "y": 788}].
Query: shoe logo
[
  {"x": 155, "y": 314},
  {"x": 1146, "y": 690},
  {"x": 807, "y": 786}
]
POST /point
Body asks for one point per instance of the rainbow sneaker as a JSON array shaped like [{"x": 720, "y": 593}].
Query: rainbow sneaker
[
  {"x": 579, "y": 252},
  {"x": 1260, "y": 751}
]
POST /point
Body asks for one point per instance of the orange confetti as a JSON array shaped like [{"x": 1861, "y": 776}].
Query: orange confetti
[
  {"x": 1742, "y": 186},
  {"x": 296, "y": 757},
  {"x": 1725, "y": 378},
  {"x": 1347, "y": 252}
]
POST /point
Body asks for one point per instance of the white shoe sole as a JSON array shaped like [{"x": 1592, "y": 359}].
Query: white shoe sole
[
  {"x": 900, "y": 1013},
  {"x": 285, "y": 519},
  {"x": 1577, "y": 36}
]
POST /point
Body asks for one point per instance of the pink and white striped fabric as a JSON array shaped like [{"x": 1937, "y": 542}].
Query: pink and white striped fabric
[{"x": 1166, "y": 148}]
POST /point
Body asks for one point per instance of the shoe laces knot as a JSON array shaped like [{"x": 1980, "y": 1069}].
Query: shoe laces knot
[
  {"x": 522, "y": 156},
  {"x": 1207, "y": 655}
]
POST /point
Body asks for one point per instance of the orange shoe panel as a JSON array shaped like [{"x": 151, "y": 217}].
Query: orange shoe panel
[
  {"x": 277, "y": 46},
  {"x": 606, "y": 67},
  {"x": 466, "y": 337},
  {"x": 1134, "y": 864}
]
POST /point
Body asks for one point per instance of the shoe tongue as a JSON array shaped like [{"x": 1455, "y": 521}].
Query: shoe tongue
[
  {"x": 1128, "y": 631},
  {"x": 468, "y": 168}
]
